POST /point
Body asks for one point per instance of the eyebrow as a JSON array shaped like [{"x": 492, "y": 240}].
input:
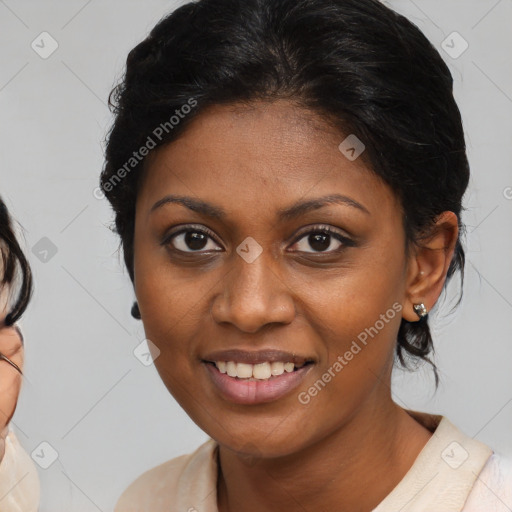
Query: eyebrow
[{"x": 285, "y": 214}]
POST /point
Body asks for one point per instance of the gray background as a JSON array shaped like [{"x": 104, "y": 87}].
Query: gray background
[{"x": 107, "y": 415}]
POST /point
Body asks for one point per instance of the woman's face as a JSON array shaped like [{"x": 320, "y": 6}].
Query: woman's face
[{"x": 251, "y": 280}]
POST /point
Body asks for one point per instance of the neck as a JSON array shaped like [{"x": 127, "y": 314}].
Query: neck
[{"x": 354, "y": 468}]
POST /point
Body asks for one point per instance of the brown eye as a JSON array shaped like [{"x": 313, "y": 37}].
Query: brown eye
[
  {"x": 191, "y": 240},
  {"x": 323, "y": 239}
]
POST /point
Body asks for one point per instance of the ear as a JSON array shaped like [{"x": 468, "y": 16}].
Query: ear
[{"x": 428, "y": 265}]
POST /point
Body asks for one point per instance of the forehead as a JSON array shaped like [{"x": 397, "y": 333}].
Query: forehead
[{"x": 260, "y": 155}]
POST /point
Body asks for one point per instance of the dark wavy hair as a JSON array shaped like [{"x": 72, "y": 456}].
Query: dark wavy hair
[
  {"x": 15, "y": 269},
  {"x": 357, "y": 63}
]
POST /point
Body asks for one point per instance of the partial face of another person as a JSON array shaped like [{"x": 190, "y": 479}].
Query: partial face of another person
[
  {"x": 251, "y": 279},
  {"x": 11, "y": 347}
]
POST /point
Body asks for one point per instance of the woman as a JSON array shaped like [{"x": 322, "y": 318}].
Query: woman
[
  {"x": 19, "y": 481},
  {"x": 287, "y": 180}
]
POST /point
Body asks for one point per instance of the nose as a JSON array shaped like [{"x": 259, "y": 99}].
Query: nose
[{"x": 254, "y": 295}]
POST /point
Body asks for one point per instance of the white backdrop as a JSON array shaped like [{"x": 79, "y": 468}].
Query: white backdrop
[{"x": 107, "y": 416}]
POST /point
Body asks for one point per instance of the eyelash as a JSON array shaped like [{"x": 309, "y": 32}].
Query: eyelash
[{"x": 318, "y": 229}]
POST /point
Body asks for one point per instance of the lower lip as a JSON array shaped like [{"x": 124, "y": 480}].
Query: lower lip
[{"x": 242, "y": 391}]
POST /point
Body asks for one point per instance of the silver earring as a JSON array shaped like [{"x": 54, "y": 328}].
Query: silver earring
[{"x": 420, "y": 310}]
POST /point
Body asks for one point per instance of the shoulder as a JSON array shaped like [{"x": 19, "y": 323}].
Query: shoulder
[
  {"x": 161, "y": 486},
  {"x": 492, "y": 491}
]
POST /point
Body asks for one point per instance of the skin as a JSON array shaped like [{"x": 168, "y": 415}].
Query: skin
[
  {"x": 293, "y": 297},
  {"x": 11, "y": 346}
]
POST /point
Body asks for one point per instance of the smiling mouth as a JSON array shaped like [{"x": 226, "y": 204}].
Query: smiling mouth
[
  {"x": 257, "y": 372},
  {"x": 251, "y": 384}
]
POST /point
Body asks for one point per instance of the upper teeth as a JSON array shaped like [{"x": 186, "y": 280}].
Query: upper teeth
[{"x": 258, "y": 371}]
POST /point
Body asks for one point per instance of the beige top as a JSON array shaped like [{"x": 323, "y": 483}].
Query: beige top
[
  {"x": 19, "y": 481},
  {"x": 452, "y": 473}
]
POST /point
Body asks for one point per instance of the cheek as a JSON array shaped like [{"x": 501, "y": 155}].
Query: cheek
[
  {"x": 168, "y": 314},
  {"x": 357, "y": 314},
  {"x": 170, "y": 322},
  {"x": 162, "y": 305},
  {"x": 160, "y": 299},
  {"x": 173, "y": 310},
  {"x": 365, "y": 295},
  {"x": 358, "y": 336}
]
